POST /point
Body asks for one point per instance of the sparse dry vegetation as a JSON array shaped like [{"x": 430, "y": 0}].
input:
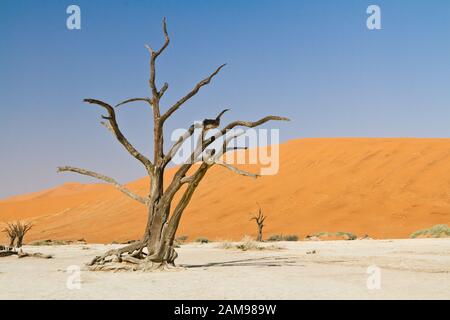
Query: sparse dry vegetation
[
  {"x": 281, "y": 237},
  {"x": 436, "y": 231},
  {"x": 226, "y": 245},
  {"x": 275, "y": 237},
  {"x": 182, "y": 239},
  {"x": 290, "y": 237},
  {"x": 49, "y": 242},
  {"x": 202, "y": 240},
  {"x": 340, "y": 235},
  {"x": 247, "y": 243}
]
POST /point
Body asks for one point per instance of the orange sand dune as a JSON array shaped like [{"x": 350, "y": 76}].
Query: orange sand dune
[{"x": 386, "y": 188}]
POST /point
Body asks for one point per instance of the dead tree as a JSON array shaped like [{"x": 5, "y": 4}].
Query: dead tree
[
  {"x": 17, "y": 231},
  {"x": 21, "y": 229},
  {"x": 11, "y": 233},
  {"x": 259, "y": 219},
  {"x": 155, "y": 250}
]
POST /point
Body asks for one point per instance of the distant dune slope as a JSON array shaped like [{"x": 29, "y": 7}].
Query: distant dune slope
[{"x": 383, "y": 187}]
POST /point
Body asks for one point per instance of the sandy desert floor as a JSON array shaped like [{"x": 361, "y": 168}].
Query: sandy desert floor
[{"x": 409, "y": 269}]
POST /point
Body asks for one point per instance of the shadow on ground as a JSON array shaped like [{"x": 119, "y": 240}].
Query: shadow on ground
[{"x": 253, "y": 262}]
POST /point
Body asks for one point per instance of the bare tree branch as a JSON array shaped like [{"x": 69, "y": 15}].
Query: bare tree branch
[
  {"x": 260, "y": 217},
  {"x": 237, "y": 170},
  {"x": 247, "y": 124},
  {"x": 115, "y": 129},
  {"x": 177, "y": 145},
  {"x": 176, "y": 182},
  {"x": 192, "y": 93},
  {"x": 133, "y": 100},
  {"x": 107, "y": 126},
  {"x": 193, "y": 158},
  {"x": 166, "y": 42},
  {"x": 153, "y": 56},
  {"x": 163, "y": 89},
  {"x": 201, "y": 146},
  {"x": 227, "y": 141},
  {"x": 105, "y": 179},
  {"x": 158, "y": 138},
  {"x": 185, "y": 199},
  {"x": 251, "y": 124},
  {"x": 187, "y": 179}
]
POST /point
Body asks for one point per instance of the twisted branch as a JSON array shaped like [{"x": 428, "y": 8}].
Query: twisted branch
[{"x": 114, "y": 127}]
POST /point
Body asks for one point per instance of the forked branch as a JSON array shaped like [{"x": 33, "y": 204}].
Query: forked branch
[
  {"x": 248, "y": 124},
  {"x": 177, "y": 145},
  {"x": 114, "y": 127},
  {"x": 153, "y": 56}
]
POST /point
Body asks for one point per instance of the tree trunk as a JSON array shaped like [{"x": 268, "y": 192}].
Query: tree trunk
[
  {"x": 260, "y": 236},
  {"x": 11, "y": 242},
  {"x": 19, "y": 242}
]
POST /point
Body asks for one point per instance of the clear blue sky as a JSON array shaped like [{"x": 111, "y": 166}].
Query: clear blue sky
[{"x": 313, "y": 61}]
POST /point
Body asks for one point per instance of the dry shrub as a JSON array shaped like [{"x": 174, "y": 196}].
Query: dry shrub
[
  {"x": 436, "y": 231},
  {"x": 340, "y": 235},
  {"x": 247, "y": 244},
  {"x": 281, "y": 237},
  {"x": 202, "y": 240}
]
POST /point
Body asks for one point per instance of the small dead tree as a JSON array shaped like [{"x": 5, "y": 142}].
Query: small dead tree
[
  {"x": 17, "y": 231},
  {"x": 156, "y": 250},
  {"x": 259, "y": 219},
  {"x": 11, "y": 233},
  {"x": 21, "y": 230}
]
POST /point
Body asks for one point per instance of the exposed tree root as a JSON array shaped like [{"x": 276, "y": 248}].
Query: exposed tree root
[
  {"x": 7, "y": 253},
  {"x": 133, "y": 258},
  {"x": 117, "y": 253},
  {"x": 21, "y": 254},
  {"x": 132, "y": 264}
]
